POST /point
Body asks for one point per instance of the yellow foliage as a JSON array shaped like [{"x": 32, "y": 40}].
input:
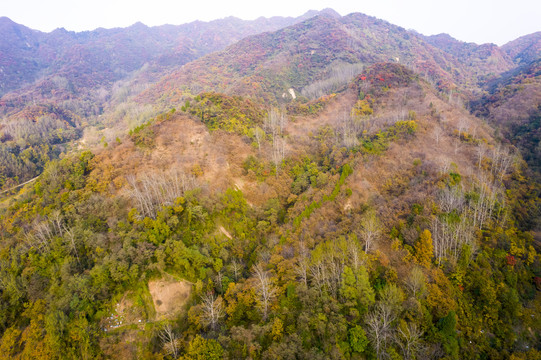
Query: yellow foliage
[
  {"x": 517, "y": 248},
  {"x": 8, "y": 343},
  {"x": 361, "y": 108},
  {"x": 277, "y": 329},
  {"x": 440, "y": 294},
  {"x": 532, "y": 254},
  {"x": 424, "y": 249},
  {"x": 197, "y": 171}
]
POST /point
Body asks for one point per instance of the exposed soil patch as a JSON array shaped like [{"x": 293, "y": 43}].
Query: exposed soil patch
[
  {"x": 125, "y": 313},
  {"x": 225, "y": 232},
  {"x": 169, "y": 296}
]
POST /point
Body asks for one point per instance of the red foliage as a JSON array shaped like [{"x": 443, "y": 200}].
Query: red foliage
[{"x": 511, "y": 261}]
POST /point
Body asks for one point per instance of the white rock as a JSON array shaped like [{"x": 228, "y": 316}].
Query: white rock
[{"x": 292, "y": 93}]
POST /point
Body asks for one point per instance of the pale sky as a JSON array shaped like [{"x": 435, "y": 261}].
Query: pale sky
[{"x": 479, "y": 21}]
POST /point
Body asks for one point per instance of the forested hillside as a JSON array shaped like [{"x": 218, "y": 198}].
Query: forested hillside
[
  {"x": 316, "y": 192},
  {"x": 53, "y": 85},
  {"x": 513, "y": 105},
  {"x": 323, "y": 47}
]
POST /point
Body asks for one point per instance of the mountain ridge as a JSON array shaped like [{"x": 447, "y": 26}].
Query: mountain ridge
[
  {"x": 363, "y": 39},
  {"x": 45, "y": 52},
  {"x": 315, "y": 192}
]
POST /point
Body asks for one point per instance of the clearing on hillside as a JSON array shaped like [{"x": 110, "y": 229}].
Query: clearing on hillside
[
  {"x": 125, "y": 312},
  {"x": 169, "y": 296}
]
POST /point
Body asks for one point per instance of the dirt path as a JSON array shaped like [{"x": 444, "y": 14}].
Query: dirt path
[
  {"x": 15, "y": 187},
  {"x": 224, "y": 231}
]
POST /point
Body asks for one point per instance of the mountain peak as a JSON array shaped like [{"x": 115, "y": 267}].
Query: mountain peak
[
  {"x": 6, "y": 20},
  {"x": 138, "y": 25},
  {"x": 524, "y": 49},
  {"x": 7, "y": 23},
  {"x": 330, "y": 12},
  {"x": 325, "y": 12},
  {"x": 443, "y": 36}
]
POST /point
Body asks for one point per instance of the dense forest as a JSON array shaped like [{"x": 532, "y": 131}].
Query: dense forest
[{"x": 271, "y": 201}]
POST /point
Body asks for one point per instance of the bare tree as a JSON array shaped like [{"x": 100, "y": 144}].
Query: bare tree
[
  {"x": 355, "y": 254},
  {"x": 444, "y": 166},
  {"x": 271, "y": 124},
  {"x": 71, "y": 237},
  {"x": 236, "y": 267},
  {"x": 370, "y": 230},
  {"x": 409, "y": 340},
  {"x": 437, "y": 133},
  {"x": 43, "y": 232},
  {"x": 379, "y": 329},
  {"x": 481, "y": 151},
  {"x": 502, "y": 158},
  {"x": 41, "y": 236},
  {"x": 457, "y": 145},
  {"x": 416, "y": 282},
  {"x": 318, "y": 272},
  {"x": 154, "y": 190},
  {"x": 213, "y": 310},
  {"x": 449, "y": 236},
  {"x": 219, "y": 279},
  {"x": 57, "y": 223},
  {"x": 264, "y": 288},
  {"x": 169, "y": 341},
  {"x": 259, "y": 136},
  {"x": 450, "y": 199},
  {"x": 278, "y": 151},
  {"x": 339, "y": 76}
]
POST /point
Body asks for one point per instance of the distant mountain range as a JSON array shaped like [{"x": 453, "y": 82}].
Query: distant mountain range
[
  {"x": 94, "y": 77},
  {"x": 321, "y": 187},
  {"x": 95, "y": 58},
  {"x": 298, "y": 55}
]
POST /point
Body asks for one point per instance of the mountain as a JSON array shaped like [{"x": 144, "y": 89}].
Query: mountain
[
  {"x": 315, "y": 192},
  {"x": 525, "y": 49},
  {"x": 19, "y": 62},
  {"x": 367, "y": 201},
  {"x": 299, "y": 55},
  {"x": 487, "y": 60},
  {"x": 102, "y": 56},
  {"x": 65, "y": 80},
  {"x": 512, "y": 103}
]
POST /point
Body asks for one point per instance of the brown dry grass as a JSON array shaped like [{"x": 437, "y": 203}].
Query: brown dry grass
[
  {"x": 184, "y": 143},
  {"x": 375, "y": 177},
  {"x": 180, "y": 143},
  {"x": 169, "y": 296}
]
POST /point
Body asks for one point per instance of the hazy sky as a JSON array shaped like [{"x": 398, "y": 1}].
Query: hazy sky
[{"x": 479, "y": 21}]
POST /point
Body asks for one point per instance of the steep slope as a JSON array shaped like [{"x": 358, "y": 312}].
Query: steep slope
[
  {"x": 106, "y": 55},
  {"x": 385, "y": 206},
  {"x": 268, "y": 65},
  {"x": 525, "y": 49},
  {"x": 18, "y": 61},
  {"x": 63, "y": 81},
  {"x": 486, "y": 60},
  {"x": 513, "y": 105}
]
